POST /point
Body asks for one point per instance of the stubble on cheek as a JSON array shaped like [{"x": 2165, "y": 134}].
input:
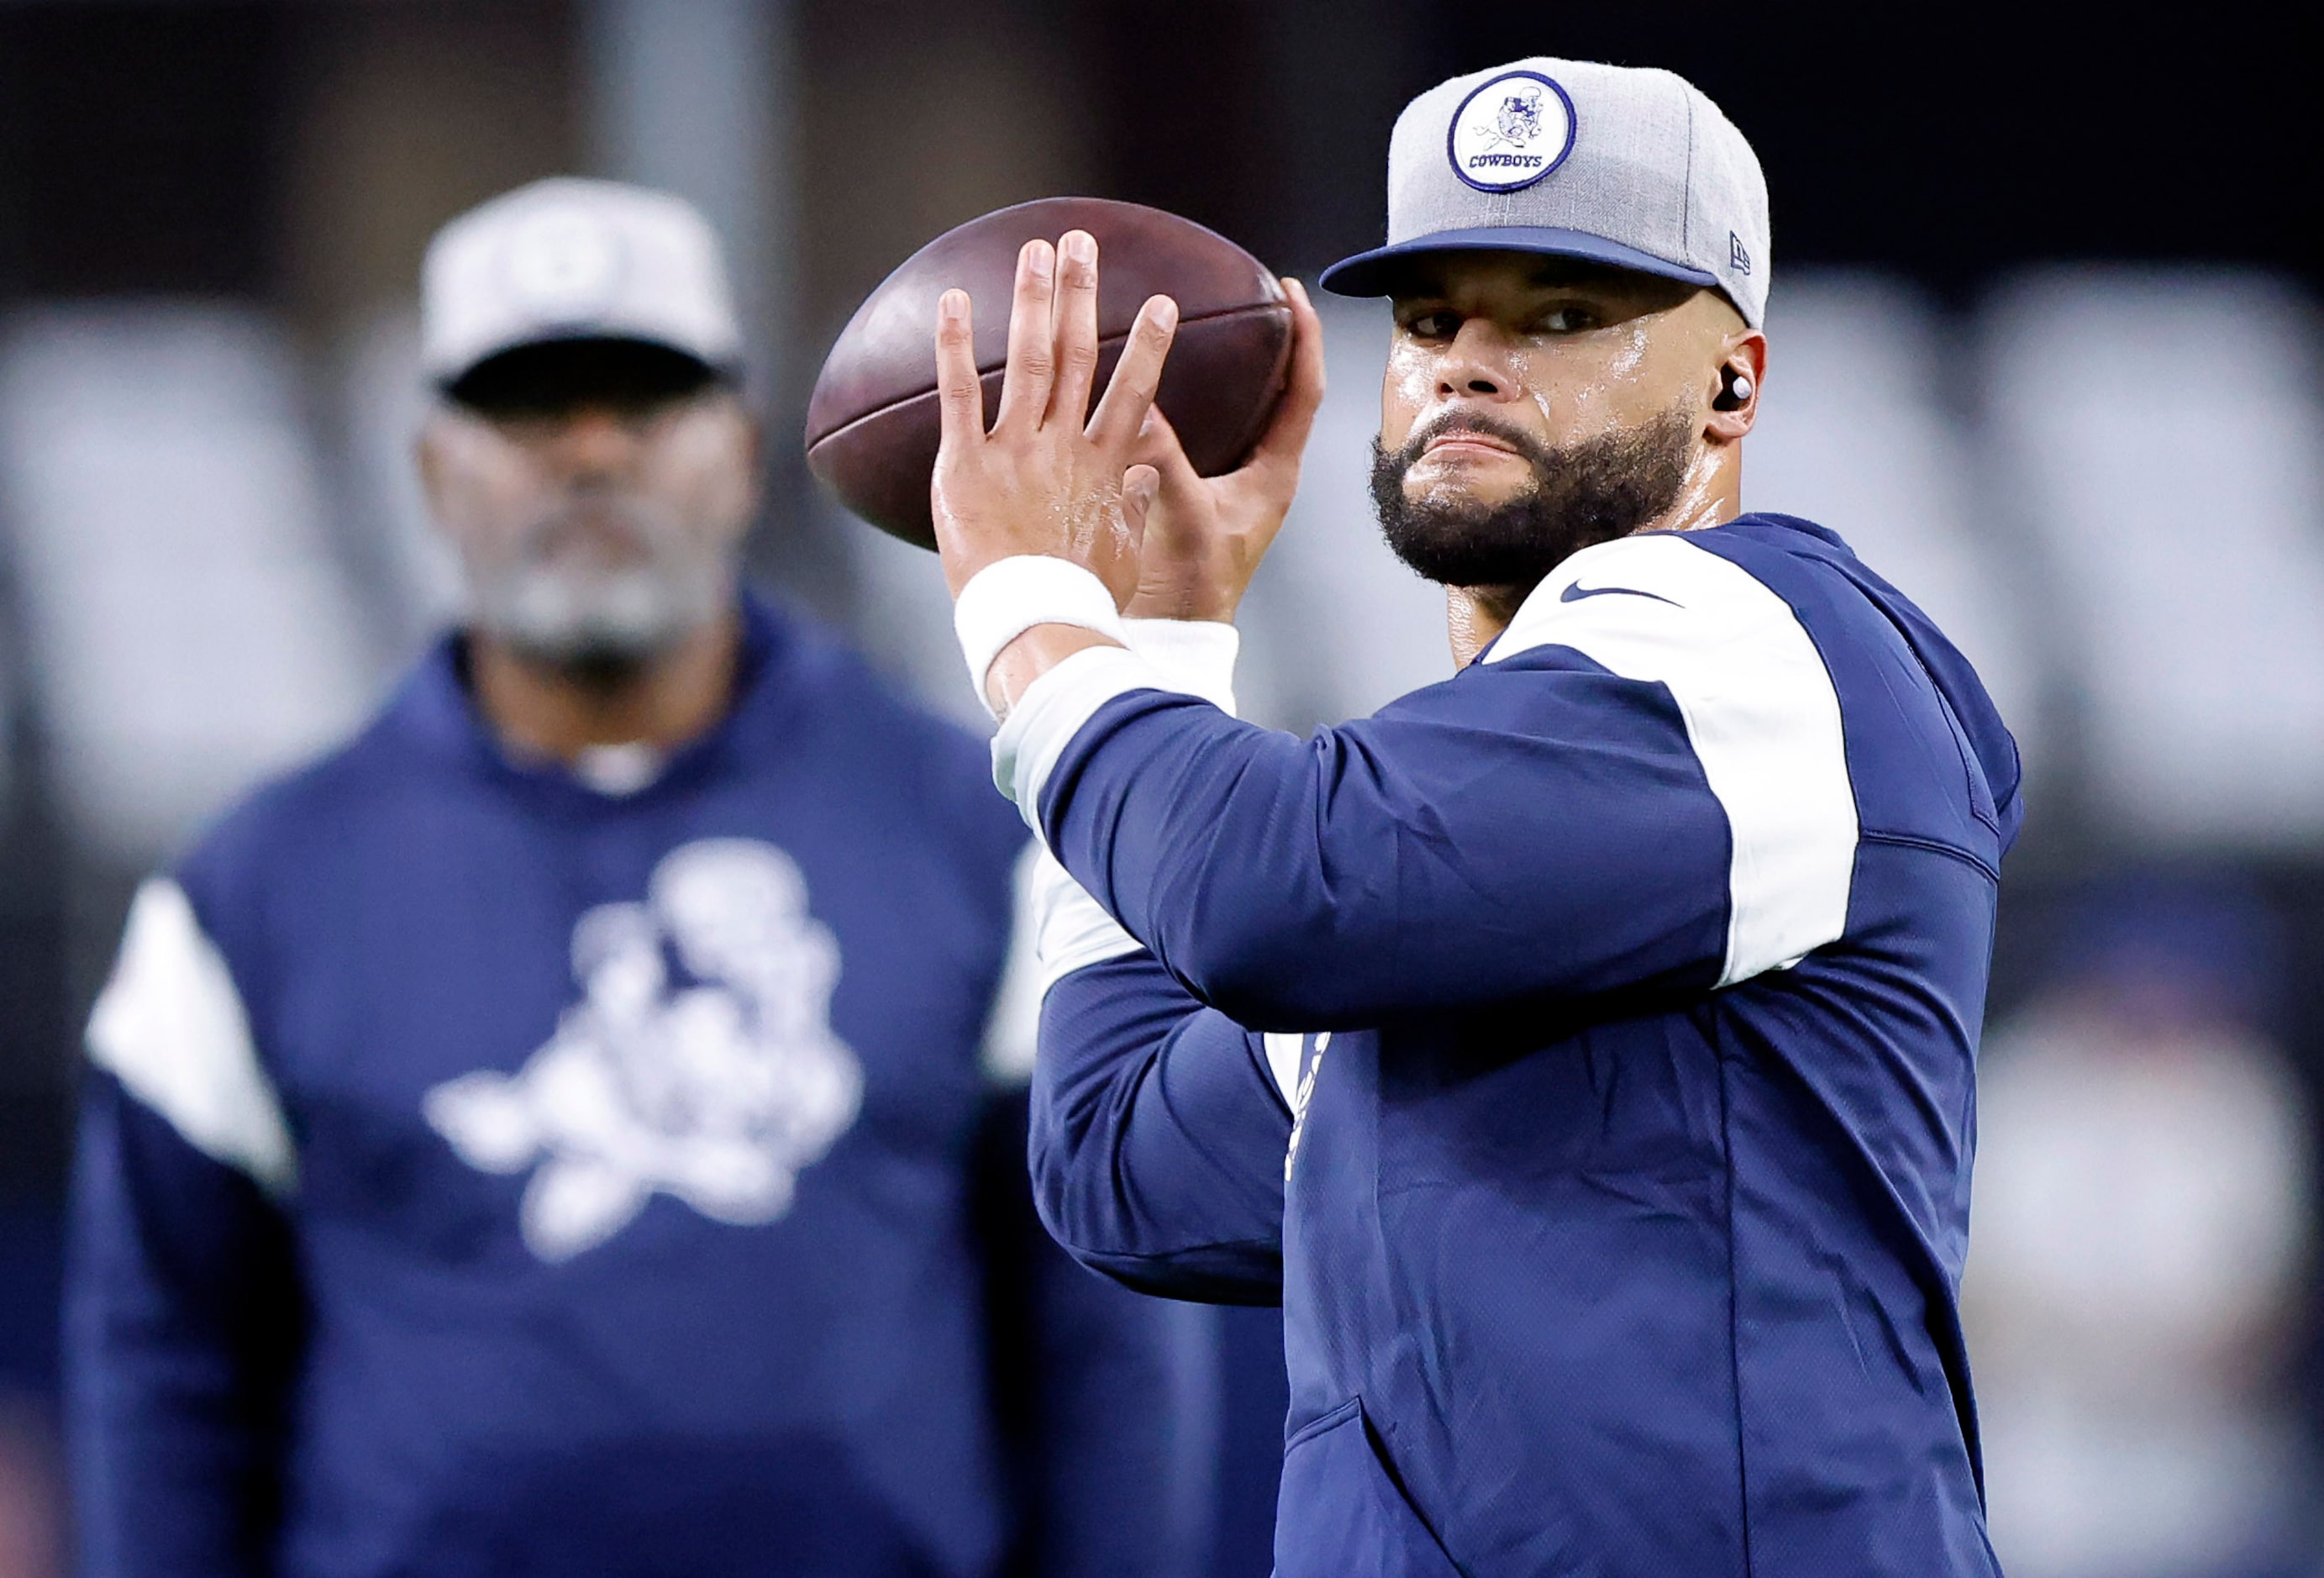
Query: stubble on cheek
[
  {"x": 697, "y": 471},
  {"x": 1407, "y": 390},
  {"x": 488, "y": 496}
]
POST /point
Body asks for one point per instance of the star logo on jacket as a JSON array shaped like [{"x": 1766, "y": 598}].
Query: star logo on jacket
[{"x": 699, "y": 1061}]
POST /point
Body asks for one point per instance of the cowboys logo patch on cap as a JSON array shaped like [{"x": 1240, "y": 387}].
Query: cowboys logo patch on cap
[{"x": 1511, "y": 131}]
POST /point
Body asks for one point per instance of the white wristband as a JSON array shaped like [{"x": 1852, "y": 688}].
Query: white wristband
[
  {"x": 1196, "y": 656},
  {"x": 1010, "y": 596}
]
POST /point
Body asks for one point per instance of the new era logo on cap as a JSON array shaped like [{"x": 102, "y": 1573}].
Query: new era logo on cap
[{"x": 1617, "y": 164}]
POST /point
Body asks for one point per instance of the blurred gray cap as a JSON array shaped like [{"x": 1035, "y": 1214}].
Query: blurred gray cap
[
  {"x": 1619, "y": 165},
  {"x": 572, "y": 259}
]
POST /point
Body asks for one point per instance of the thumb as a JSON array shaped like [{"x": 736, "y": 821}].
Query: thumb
[{"x": 1141, "y": 485}]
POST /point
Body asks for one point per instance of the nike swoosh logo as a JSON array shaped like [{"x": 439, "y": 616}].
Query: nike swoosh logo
[{"x": 1575, "y": 593}]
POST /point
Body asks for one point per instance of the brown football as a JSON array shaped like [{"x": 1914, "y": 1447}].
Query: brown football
[{"x": 871, "y": 427}]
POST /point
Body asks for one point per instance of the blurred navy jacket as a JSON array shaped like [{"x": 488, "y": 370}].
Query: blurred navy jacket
[
  {"x": 1610, "y": 1009},
  {"x": 485, "y": 1174}
]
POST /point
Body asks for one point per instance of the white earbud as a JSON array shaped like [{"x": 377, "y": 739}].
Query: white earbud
[{"x": 1740, "y": 388}]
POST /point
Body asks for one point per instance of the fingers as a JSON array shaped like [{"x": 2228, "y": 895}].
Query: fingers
[
  {"x": 1285, "y": 438},
  {"x": 1032, "y": 342},
  {"x": 1130, "y": 394},
  {"x": 1076, "y": 328},
  {"x": 960, "y": 393}
]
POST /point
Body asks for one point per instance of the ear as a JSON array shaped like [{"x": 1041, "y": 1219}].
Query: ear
[
  {"x": 1735, "y": 385},
  {"x": 752, "y": 464},
  {"x": 427, "y": 455},
  {"x": 754, "y": 452}
]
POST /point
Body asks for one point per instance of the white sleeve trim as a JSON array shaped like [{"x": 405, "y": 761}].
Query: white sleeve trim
[
  {"x": 1071, "y": 930},
  {"x": 1761, "y": 714},
  {"x": 1052, "y": 711},
  {"x": 1196, "y": 656},
  {"x": 1013, "y": 1026},
  {"x": 170, "y": 1025}
]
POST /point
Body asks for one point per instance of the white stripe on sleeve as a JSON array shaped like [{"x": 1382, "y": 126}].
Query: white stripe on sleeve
[
  {"x": 170, "y": 1025},
  {"x": 1013, "y": 1025},
  {"x": 1072, "y": 929},
  {"x": 1761, "y": 715}
]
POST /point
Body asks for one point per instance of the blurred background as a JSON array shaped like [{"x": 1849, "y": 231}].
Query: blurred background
[{"x": 2045, "y": 350}]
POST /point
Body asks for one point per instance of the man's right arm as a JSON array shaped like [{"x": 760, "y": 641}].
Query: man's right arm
[
  {"x": 182, "y": 1311},
  {"x": 1641, "y": 789},
  {"x": 1159, "y": 1126}
]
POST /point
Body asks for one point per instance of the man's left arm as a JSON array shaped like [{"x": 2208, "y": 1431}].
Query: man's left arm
[{"x": 184, "y": 1319}]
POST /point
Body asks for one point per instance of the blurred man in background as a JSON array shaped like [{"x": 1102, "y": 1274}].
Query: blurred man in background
[
  {"x": 2144, "y": 1212},
  {"x": 544, "y": 1135}
]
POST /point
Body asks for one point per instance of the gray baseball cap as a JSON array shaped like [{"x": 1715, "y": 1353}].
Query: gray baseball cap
[
  {"x": 1619, "y": 165},
  {"x": 572, "y": 259}
]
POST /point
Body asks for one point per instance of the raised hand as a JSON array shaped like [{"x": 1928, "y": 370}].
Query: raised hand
[
  {"x": 1204, "y": 536},
  {"x": 1052, "y": 478}
]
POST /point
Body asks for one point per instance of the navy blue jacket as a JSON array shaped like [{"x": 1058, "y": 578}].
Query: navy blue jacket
[
  {"x": 485, "y": 1174},
  {"x": 1612, "y": 1010}
]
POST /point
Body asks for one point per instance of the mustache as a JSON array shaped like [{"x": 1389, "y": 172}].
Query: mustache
[{"x": 649, "y": 526}]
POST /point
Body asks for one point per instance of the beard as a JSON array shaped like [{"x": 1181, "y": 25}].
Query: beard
[
  {"x": 1580, "y": 494},
  {"x": 555, "y": 603}
]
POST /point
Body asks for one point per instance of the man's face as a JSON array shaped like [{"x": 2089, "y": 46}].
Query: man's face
[
  {"x": 1535, "y": 406},
  {"x": 597, "y": 491}
]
